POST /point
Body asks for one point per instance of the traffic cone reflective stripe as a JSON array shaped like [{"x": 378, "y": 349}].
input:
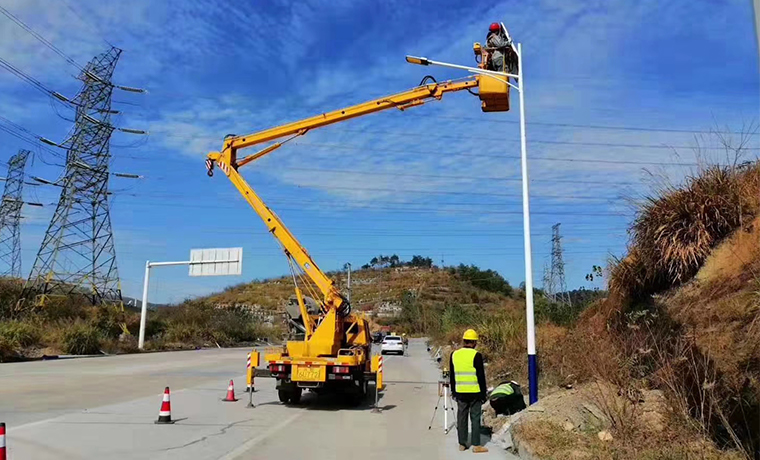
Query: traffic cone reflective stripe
[
  {"x": 2, "y": 441},
  {"x": 230, "y": 393},
  {"x": 165, "y": 414}
]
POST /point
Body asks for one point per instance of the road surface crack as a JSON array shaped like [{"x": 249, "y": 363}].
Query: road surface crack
[{"x": 221, "y": 431}]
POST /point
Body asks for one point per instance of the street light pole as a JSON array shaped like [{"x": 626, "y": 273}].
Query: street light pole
[
  {"x": 529, "y": 311},
  {"x": 144, "y": 307}
]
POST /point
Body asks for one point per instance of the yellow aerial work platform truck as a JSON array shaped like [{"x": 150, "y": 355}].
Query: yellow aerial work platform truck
[{"x": 335, "y": 353}]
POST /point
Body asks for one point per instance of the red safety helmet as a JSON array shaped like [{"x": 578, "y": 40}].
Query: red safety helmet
[{"x": 494, "y": 27}]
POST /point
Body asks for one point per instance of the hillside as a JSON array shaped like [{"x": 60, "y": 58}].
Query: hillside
[
  {"x": 671, "y": 358},
  {"x": 385, "y": 294}
]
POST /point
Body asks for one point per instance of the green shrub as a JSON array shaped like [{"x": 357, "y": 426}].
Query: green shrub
[
  {"x": 457, "y": 316},
  {"x": 80, "y": 338},
  {"x": 109, "y": 318},
  {"x": 183, "y": 332},
  {"x": 495, "y": 333},
  {"x": 65, "y": 308},
  {"x": 20, "y": 334}
]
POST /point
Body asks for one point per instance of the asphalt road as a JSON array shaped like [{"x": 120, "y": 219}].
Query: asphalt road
[{"x": 95, "y": 408}]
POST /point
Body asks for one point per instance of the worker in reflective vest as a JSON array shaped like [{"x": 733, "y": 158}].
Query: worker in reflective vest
[{"x": 468, "y": 387}]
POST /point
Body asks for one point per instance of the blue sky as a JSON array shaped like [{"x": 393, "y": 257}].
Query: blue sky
[{"x": 440, "y": 180}]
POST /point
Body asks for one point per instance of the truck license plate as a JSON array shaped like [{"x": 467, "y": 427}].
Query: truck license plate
[{"x": 309, "y": 373}]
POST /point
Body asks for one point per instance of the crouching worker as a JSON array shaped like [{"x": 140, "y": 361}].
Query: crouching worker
[
  {"x": 507, "y": 398},
  {"x": 468, "y": 387}
]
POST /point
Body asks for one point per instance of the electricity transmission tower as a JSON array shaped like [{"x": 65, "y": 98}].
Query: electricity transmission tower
[
  {"x": 77, "y": 254},
  {"x": 558, "y": 291},
  {"x": 548, "y": 283},
  {"x": 10, "y": 216}
]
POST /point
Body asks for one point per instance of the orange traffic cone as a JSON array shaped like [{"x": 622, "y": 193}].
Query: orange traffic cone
[
  {"x": 230, "y": 393},
  {"x": 2, "y": 441},
  {"x": 165, "y": 414}
]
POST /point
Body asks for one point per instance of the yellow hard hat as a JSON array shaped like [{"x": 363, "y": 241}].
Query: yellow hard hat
[{"x": 470, "y": 334}]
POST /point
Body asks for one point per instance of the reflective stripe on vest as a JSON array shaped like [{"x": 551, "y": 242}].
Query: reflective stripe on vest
[
  {"x": 505, "y": 389},
  {"x": 465, "y": 377}
]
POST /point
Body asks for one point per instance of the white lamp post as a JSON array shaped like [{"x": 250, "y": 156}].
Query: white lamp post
[{"x": 530, "y": 318}]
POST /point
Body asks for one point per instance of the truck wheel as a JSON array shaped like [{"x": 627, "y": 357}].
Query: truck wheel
[
  {"x": 295, "y": 396},
  {"x": 359, "y": 394},
  {"x": 284, "y": 395}
]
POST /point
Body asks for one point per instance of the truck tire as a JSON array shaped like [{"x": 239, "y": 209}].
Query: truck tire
[
  {"x": 359, "y": 395},
  {"x": 284, "y": 395},
  {"x": 295, "y": 396}
]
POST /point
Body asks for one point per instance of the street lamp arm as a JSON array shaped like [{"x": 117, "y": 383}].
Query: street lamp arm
[{"x": 426, "y": 61}]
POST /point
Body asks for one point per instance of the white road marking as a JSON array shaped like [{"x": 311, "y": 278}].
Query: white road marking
[
  {"x": 72, "y": 412},
  {"x": 243, "y": 448}
]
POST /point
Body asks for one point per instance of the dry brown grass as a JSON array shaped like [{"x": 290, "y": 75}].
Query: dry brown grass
[
  {"x": 678, "y": 226},
  {"x": 550, "y": 441},
  {"x": 699, "y": 342}
]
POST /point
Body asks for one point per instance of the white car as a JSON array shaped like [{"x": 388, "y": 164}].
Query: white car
[{"x": 392, "y": 344}]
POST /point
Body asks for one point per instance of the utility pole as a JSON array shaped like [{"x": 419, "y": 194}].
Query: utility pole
[
  {"x": 349, "y": 283},
  {"x": 557, "y": 272},
  {"x": 520, "y": 88},
  {"x": 10, "y": 216},
  {"x": 77, "y": 255}
]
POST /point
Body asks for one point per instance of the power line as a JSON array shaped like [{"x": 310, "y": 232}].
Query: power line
[
  {"x": 37, "y": 138},
  {"x": 384, "y": 208},
  {"x": 25, "y": 77},
  {"x": 455, "y": 176},
  {"x": 87, "y": 23},
  {"x": 584, "y": 126},
  {"x": 466, "y": 155},
  {"x": 397, "y": 190},
  {"x": 486, "y": 155},
  {"x": 39, "y": 37},
  {"x": 539, "y": 141}
]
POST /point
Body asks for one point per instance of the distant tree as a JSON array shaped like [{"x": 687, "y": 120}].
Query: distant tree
[
  {"x": 394, "y": 260},
  {"x": 365, "y": 266},
  {"x": 488, "y": 280},
  {"x": 596, "y": 272},
  {"x": 419, "y": 261}
]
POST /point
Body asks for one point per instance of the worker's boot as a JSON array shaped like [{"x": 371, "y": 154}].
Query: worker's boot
[
  {"x": 462, "y": 448},
  {"x": 479, "y": 449}
]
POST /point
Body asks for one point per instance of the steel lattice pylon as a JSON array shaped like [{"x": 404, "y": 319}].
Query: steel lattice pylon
[
  {"x": 77, "y": 255},
  {"x": 10, "y": 216},
  {"x": 557, "y": 271}
]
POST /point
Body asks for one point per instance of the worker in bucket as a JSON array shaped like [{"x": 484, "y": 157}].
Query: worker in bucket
[
  {"x": 498, "y": 45},
  {"x": 468, "y": 388}
]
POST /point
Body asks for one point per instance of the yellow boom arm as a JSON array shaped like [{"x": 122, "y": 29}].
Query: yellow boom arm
[{"x": 228, "y": 162}]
